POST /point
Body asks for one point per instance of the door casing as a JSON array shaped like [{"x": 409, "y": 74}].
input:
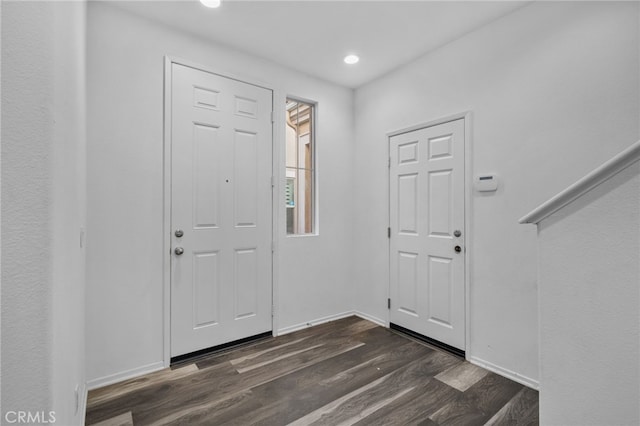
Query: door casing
[
  {"x": 277, "y": 135},
  {"x": 468, "y": 188}
]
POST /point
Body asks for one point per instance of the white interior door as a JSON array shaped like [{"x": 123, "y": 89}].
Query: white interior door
[
  {"x": 221, "y": 144},
  {"x": 427, "y": 213}
]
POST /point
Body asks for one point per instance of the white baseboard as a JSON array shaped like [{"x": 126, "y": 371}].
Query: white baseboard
[
  {"x": 124, "y": 375},
  {"x": 512, "y": 375},
  {"x": 150, "y": 368},
  {"x": 371, "y": 318},
  {"x": 82, "y": 404},
  {"x": 301, "y": 326}
]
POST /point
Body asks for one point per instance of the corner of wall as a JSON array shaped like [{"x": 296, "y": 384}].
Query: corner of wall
[
  {"x": 68, "y": 186},
  {"x": 42, "y": 210}
]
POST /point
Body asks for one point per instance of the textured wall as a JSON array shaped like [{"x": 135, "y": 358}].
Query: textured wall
[
  {"x": 27, "y": 229},
  {"x": 42, "y": 209},
  {"x": 589, "y": 307}
]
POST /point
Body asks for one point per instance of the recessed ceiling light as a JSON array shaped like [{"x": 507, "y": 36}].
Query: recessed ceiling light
[
  {"x": 211, "y": 3},
  {"x": 351, "y": 59}
]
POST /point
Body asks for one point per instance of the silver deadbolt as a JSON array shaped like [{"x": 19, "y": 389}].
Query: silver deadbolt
[
  {"x": 457, "y": 233},
  {"x": 178, "y": 251},
  {"x": 179, "y": 233}
]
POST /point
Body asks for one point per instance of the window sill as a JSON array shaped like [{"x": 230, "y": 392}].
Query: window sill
[{"x": 302, "y": 235}]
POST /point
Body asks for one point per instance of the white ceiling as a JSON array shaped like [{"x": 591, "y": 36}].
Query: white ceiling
[{"x": 314, "y": 36}]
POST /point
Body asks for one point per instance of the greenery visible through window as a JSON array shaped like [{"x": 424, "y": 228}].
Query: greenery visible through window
[{"x": 300, "y": 167}]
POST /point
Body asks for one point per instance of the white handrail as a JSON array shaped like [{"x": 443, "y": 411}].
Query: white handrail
[{"x": 593, "y": 179}]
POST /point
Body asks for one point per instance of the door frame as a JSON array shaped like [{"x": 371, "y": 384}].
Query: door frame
[
  {"x": 276, "y": 135},
  {"x": 467, "y": 116}
]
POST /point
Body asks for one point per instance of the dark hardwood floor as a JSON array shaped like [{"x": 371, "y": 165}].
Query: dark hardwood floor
[{"x": 344, "y": 372}]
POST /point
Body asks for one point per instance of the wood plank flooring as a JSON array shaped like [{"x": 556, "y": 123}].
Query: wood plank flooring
[{"x": 346, "y": 372}]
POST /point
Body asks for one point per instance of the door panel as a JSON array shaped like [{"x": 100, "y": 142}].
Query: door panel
[
  {"x": 246, "y": 283},
  {"x": 246, "y": 179},
  {"x": 221, "y": 148},
  {"x": 206, "y": 284},
  {"x": 408, "y": 283},
  {"x": 408, "y": 203},
  {"x": 427, "y": 206},
  {"x": 206, "y": 168},
  {"x": 440, "y": 290}
]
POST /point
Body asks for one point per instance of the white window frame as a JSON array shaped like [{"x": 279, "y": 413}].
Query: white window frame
[{"x": 314, "y": 169}]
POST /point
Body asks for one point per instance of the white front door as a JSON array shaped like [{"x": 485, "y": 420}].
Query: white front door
[
  {"x": 427, "y": 232},
  {"x": 221, "y": 144}
]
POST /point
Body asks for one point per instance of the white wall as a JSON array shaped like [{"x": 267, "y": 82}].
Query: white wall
[
  {"x": 27, "y": 127},
  {"x": 43, "y": 208},
  {"x": 69, "y": 212},
  {"x": 125, "y": 193},
  {"x": 553, "y": 89},
  {"x": 589, "y": 307}
]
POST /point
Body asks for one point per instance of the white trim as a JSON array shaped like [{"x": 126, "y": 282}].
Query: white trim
[
  {"x": 372, "y": 319},
  {"x": 430, "y": 123},
  {"x": 278, "y": 161},
  {"x": 512, "y": 375},
  {"x": 82, "y": 405},
  {"x": 166, "y": 217},
  {"x": 468, "y": 208},
  {"x": 467, "y": 116},
  {"x": 275, "y": 172},
  {"x": 388, "y": 230},
  {"x": 316, "y": 179},
  {"x": 125, "y": 375},
  {"x": 303, "y": 325},
  {"x": 220, "y": 72},
  {"x": 600, "y": 174}
]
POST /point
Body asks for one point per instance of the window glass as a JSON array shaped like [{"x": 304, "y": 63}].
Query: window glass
[{"x": 300, "y": 167}]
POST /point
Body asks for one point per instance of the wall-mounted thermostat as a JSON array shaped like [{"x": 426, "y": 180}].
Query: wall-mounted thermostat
[{"x": 486, "y": 183}]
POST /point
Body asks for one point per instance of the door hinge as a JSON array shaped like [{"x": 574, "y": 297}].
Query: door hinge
[
  {"x": 273, "y": 247},
  {"x": 273, "y": 181},
  {"x": 272, "y": 119},
  {"x": 388, "y": 303},
  {"x": 389, "y": 163},
  {"x": 389, "y": 232}
]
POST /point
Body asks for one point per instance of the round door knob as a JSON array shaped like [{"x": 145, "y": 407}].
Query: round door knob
[
  {"x": 458, "y": 249},
  {"x": 178, "y": 251}
]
